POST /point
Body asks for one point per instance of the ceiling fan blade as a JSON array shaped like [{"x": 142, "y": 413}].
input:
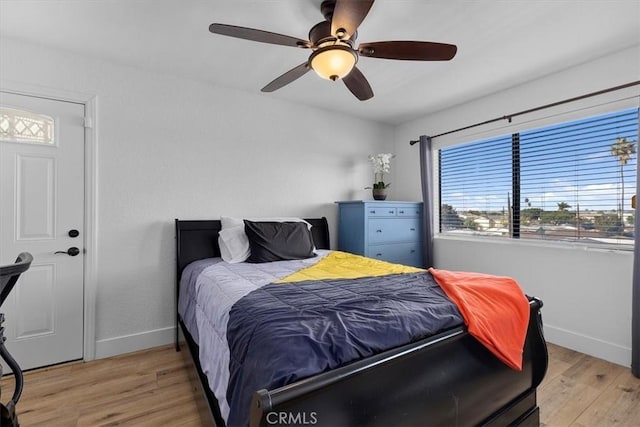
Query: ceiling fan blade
[
  {"x": 288, "y": 77},
  {"x": 408, "y": 50},
  {"x": 348, "y": 15},
  {"x": 357, "y": 83},
  {"x": 257, "y": 35}
]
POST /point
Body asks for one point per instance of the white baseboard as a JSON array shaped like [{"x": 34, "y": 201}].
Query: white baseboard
[
  {"x": 135, "y": 342},
  {"x": 592, "y": 346}
]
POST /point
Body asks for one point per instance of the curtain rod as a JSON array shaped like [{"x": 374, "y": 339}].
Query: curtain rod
[{"x": 531, "y": 110}]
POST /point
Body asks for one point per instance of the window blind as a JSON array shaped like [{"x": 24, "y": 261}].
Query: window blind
[
  {"x": 567, "y": 182},
  {"x": 475, "y": 183}
]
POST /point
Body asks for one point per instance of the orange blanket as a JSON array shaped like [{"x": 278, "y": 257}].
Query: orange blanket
[{"x": 494, "y": 308}]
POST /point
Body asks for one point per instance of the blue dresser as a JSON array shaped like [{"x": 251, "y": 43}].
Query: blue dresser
[{"x": 390, "y": 231}]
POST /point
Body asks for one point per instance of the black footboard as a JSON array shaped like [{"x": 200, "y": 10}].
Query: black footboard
[{"x": 448, "y": 379}]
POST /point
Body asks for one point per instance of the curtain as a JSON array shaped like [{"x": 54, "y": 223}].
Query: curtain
[
  {"x": 426, "y": 175},
  {"x": 635, "y": 307}
]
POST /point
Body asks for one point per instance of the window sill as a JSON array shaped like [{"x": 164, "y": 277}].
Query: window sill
[{"x": 572, "y": 245}]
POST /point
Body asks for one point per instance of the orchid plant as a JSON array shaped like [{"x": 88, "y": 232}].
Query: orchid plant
[{"x": 381, "y": 164}]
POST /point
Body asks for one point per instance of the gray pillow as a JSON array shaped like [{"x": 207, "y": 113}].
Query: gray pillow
[{"x": 277, "y": 241}]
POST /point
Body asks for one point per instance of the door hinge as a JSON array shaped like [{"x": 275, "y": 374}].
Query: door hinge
[{"x": 88, "y": 123}]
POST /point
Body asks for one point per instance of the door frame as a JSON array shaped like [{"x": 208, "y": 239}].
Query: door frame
[{"x": 90, "y": 102}]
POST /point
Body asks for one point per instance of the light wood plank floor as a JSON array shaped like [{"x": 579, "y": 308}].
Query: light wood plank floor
[{"x": 153, "y": 387}]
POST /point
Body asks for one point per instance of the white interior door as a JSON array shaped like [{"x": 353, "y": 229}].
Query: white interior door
[{"x": 41, "y": 203}]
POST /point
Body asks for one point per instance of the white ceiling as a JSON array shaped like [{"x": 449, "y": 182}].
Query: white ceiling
[{"x": 500, "y": 44}]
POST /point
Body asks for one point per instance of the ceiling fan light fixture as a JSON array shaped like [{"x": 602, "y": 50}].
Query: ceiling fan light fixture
[
  {"x": 332, "y": 43},
  {"x": 333, "y": 62}
]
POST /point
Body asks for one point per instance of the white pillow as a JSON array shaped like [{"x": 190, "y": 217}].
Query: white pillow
[{"x": 234, "y": 243}]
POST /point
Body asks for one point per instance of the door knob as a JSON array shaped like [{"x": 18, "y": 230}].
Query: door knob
[{"x": 72, "y": 251}]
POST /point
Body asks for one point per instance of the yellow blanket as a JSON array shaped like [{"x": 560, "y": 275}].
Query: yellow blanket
[{"x": 343, "y": 265}]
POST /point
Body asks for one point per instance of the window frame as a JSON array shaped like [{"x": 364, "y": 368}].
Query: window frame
[{"x": 555, "y": 116}]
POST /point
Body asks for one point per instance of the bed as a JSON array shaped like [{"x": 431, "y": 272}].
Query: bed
[{"x": 446, "y": 379}]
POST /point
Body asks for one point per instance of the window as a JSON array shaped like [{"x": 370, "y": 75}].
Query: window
[
  {"x": 23, "y": 126},
  {"x": 568, "y": 182}
]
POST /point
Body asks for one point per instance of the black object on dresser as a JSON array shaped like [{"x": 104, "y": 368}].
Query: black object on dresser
[{"x": 385, "y": 230}]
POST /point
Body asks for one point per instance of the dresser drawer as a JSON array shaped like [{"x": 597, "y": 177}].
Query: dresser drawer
[
  {"x": 399, "y": 253},
  {"x": 375, "y": 211},
  {"x": 409, "y": 212},
  {"x": 393, "y": 230}
]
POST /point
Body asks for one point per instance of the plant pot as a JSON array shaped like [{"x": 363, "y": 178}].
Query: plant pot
[{"x": 379, "y": 193}]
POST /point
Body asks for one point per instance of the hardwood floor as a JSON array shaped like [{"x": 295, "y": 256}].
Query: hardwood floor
[
  {"x": 581, "y": 391},
  {"x": 153, "y": 387},
  {"x": 147, "y": 388}
]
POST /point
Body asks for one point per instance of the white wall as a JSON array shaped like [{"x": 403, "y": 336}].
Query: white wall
[
  {"x": 586, "y": 293},
  {"x": 174, "y": 148}
]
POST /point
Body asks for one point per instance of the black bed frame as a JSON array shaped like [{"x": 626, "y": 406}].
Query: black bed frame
[{"x": 449, "y": 379}]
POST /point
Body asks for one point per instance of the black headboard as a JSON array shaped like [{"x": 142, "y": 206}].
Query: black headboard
[{"x": 198, "y": 239}]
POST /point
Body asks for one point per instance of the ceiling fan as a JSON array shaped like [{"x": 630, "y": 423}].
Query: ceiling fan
[{"x": 332, "y": 43}]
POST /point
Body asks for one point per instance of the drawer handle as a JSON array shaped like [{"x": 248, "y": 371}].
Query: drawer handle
[
  {"x": 372, "y": 212},
  {"x": 378, "y": 231},
  {"x": 412, "y": 229},
  {"x": 401, "y": 212},
  {"x": 413, "y": 251},
  {"x": 391, "y": 212},
  {"x": 378, "y": 255}
]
